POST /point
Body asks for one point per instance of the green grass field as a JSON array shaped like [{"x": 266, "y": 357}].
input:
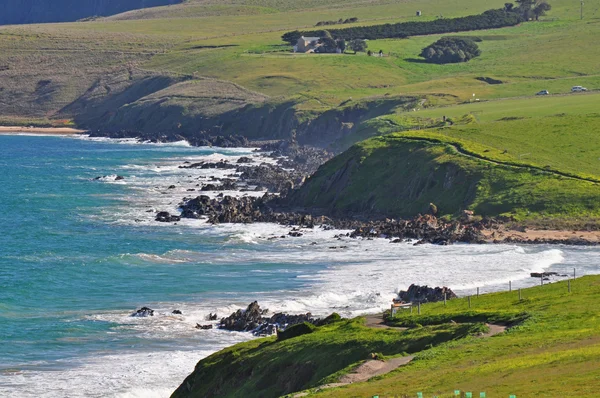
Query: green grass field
[
  {"x": 553, "y": 54},
  {"x": 551, "y": 349}
]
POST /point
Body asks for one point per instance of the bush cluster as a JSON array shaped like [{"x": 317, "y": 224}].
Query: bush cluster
[
  {"x": 488, "y": 20},
  {"x": 449, "y": 50},
  {"x": 296, "y": 330}
]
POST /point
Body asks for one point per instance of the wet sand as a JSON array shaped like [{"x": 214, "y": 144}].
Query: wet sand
[{"x": 40, "y": 130}]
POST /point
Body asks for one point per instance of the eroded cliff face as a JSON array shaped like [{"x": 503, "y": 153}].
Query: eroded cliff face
[{"x": 42, "y": 11}]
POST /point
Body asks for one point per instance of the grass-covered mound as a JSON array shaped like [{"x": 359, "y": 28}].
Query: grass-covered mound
[{"x": 270, "y": 368}]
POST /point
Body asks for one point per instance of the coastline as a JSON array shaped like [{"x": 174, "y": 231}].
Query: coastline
[{"x": 10, "y": 130}]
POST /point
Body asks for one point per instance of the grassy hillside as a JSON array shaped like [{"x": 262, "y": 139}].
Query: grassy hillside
[
  {"x": 552, "y": 353},
  {"x": 271, "y": 368},
  {"x": 398, "y": 175},
  {"x": 45, "y": 69}
]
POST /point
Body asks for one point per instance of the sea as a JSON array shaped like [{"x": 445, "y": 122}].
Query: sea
[{"x": 80, "y": 252}]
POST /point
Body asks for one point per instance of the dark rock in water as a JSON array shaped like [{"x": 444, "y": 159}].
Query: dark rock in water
[
  {"x": 252, "y": 320},
  {"x": 227, "y": 185},
  {"x": 295, "y": 234},
  {"x": 203, "y": 327},
  {"x": 212, "y": 317},
  {"x": 165, "y": 216},
  {"x": 119, "y": 178},
  {"x": 244, "y": 320},
  {"x": 543, "y": 274},
  {"x": 172, "y": 187},
  {"x": 143, "y": 312},
  {"x": 425, "y": 294},
  {"x": 245, "y": 159},
  {"x": 177, "y": 312}
]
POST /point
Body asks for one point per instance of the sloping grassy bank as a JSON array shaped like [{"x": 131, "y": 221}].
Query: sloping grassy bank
[
  {"x": 554, "y": 353},
  {"x": 396, "y": 176},
  {"x": 551, "y": 349},
  {"x": 271, "y": 368}
]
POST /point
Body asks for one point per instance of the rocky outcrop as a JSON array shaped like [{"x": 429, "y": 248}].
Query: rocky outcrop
[
  {"x": 253, "y": 319},
  {"x": 425, "y": 229},
  {"x": 272, "y": 177},
  {"x": 165, "y": 216},
  {"x": 425, "y": 294},
  {"x": 208, "y": 165}
]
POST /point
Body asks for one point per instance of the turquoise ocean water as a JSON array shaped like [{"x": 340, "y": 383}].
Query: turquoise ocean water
[{"x": 78, "y": 255}]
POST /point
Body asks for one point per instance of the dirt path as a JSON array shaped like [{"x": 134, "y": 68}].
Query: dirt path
[
  {"x": 376, "y": 321},
  {"x": 494, "y": 330},
  {"x": 364, "y": 372}
]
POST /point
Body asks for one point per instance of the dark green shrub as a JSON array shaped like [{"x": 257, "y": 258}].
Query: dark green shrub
[
  {"x": 450, "y": 50},
  {"x": 296, "y": 330},
  {"x": 333, "y": 318}
]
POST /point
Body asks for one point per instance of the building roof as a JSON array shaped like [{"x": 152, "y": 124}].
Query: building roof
[{"x": 310, "y": 39}]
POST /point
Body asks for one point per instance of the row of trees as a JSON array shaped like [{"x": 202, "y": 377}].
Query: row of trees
[
  {"x": 488, "y": 20},
  {"x": 331, "y": 45}
]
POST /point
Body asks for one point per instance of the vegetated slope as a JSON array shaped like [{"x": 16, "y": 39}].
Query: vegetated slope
[
  {"x": 396, "y": 176},
  {"x": 551, "y": 349},
  {"x": 271, "y": 368},
  {"x": 41, "y": 11}
]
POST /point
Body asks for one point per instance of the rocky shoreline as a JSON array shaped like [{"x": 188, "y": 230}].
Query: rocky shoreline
[{"x": 292, "y": 164}]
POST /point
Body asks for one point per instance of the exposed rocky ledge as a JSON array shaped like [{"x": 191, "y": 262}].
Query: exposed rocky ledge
[
  {"x": 425, "y": 294},
  {"x": 253, "y": 319}
]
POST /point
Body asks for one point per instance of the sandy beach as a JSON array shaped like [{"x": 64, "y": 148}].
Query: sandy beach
[
  {"x": 40, "y": 130},
  {"x": 593, "y": 237}
]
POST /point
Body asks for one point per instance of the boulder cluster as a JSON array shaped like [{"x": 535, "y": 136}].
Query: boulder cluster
[
  {"x": 425, "y": 229},
  {"x": 253, "y": 319},
  {"x": 426, "y": 294}
]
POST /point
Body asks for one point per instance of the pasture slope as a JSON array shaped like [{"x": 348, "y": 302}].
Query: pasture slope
[{"x": 550, "y": 349}]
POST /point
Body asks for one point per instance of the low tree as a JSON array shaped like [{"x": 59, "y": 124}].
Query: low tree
[
  {"x": 341, "y": 44},
  {"x": 357, "y": 45},
  {"x": 532, "y": 9},
  {"x": 451, "y": 50},
  {"x": 291, "y": 37},
  {"x": 328, "y": 44},
  {"x": 540, "y": 9}
]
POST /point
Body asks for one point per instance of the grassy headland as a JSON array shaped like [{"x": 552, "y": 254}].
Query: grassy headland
[
  {"x": 550, "y": 349},
  {"x": 222, "y": 68}
]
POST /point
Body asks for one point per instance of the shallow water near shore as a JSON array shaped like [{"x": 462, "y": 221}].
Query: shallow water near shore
[{"x": 78, "y": 256}]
